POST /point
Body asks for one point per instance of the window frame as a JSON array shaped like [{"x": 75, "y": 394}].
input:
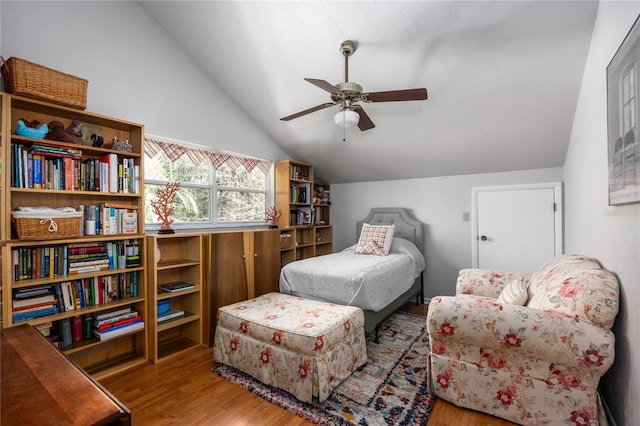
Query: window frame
[{"x": 214, "y": 188}]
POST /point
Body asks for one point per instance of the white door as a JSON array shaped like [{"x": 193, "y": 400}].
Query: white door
[{"x": 516, "y": 228}]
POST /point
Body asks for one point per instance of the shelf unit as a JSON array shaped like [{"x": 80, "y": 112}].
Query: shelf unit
[
  {"x": 298, "y": 197},
  {"x": 3, "y": 202},
  {"x": 173, "y": 258},
  {"x": 100, "y": 358}
]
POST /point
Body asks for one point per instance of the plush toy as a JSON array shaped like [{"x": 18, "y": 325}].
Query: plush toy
[
  {"x": 30, "y": 129},
  {"x": 71, "y": 134}
]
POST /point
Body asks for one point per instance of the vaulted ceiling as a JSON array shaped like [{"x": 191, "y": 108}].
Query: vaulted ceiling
[{"x": 503, "y": 78}]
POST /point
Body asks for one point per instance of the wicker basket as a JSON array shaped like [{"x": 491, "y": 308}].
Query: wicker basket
[
  {"x": 285, "y": 240},
  {"x": 35, "y": 81},
  {"x": 36, "y": 226}
]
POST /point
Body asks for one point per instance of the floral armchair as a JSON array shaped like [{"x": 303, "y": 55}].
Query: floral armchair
[{"x": 539, "y": 363}]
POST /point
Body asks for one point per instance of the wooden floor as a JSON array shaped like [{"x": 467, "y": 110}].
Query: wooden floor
[{"x": 184, "y": 391}]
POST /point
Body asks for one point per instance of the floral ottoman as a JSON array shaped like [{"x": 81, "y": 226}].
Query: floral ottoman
[{"x": 302, "y": 346}]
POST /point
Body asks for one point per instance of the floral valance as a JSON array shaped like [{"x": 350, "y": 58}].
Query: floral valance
[{"x": 154, "y": 144}]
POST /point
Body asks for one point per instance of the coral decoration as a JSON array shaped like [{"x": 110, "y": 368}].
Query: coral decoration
[
  {"x": 272, "y": 216},
  {"x": 163, "y": 205}
]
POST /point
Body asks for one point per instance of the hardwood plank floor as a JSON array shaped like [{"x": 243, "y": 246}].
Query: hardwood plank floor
[{"x": 183, "y": 391}]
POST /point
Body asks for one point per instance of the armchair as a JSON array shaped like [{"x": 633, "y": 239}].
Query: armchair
[{"x": 534, "y": 364}]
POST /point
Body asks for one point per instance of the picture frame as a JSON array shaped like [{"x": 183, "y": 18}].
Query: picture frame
[{"x": 623, "y": 116}]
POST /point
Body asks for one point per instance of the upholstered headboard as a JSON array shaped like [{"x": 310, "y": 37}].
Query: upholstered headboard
[{"x": 406, "y": 226}]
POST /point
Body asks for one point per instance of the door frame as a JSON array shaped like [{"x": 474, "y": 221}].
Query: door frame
[{"x": 557, "y": 197}]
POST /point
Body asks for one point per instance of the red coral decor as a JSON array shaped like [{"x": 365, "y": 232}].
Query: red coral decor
[{"x": 163, "y": 206}]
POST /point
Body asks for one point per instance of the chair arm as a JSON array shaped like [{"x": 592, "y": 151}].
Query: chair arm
[
  {"x": 544, "y": 335},
  {"x": 486, "y": 282}
]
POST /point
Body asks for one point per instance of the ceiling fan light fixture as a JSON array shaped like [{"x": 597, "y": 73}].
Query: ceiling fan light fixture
[{"x": 346, "y": 118}]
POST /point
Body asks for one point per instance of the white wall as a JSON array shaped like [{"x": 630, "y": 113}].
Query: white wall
[
  {"x": 135, "y": 71},
  {"x": 610, "y": 234},
  {"x": 439, "y": 203}
]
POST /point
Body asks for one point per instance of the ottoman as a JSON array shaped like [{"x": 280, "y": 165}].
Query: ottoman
[{"x": 302, "y": 346}]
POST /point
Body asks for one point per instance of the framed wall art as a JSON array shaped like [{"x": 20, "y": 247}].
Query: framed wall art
[{"x": 623, "y": 114}]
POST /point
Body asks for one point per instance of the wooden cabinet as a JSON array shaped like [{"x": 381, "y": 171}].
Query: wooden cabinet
[
  {"x": 114, "y": 278},
  {"x": 243, "y": 265},
  {"x": 305, "y": 205},
  {"x": 177, "y": 260}
]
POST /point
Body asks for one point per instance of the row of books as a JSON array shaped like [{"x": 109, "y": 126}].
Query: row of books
[
  {"x": 109, "y": 218},
  {"x": 62, "y": 168},
  {"x": 35, "y": 302},
  {"x": 69, "y": 331},
  {"x": 299, "y": 193},
  {"x": 76, "y": 258},
  {"x": 298, "y": 172}
]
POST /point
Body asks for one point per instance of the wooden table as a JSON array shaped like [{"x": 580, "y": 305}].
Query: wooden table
[{"x": 40, "y": 386}]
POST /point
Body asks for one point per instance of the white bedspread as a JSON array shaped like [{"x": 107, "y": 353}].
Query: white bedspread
[{"x": 367, "y": 281}]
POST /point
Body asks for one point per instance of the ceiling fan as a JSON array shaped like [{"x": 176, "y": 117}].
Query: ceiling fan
[{"x": 348, "y": 94}]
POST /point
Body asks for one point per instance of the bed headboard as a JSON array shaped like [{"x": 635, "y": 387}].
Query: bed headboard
[{"x": 407, "y": 226}]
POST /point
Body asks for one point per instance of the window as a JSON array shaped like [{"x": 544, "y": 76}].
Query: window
[{"x": 215, "y": 188}]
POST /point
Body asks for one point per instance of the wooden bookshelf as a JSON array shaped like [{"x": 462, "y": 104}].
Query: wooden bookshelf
[
  {"x": 104, "y": 357},
  {"x": 305, "y": 224},
  {"x": 175, "y": 258}
]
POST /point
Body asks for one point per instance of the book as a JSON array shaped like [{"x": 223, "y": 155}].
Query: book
[
  {"x": 116, "y": 319},
  {"x": 34, "y": 314},
  {"x": 129, "y": 328},
  {"x": 112, "y": 314},
  {"x": 76, "y": 329},
  {"x": 118, "y": 324},
  {"x": 38, "y": 306},
  {"x": 33, "y": 301},
  {"x": 65, "y": 331},
  {"x": 170, "y": 314},
  {"x": 174, "y": 287}
]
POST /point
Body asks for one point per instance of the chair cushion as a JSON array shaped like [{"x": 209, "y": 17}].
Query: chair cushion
[{"x": 576, "y": 286}]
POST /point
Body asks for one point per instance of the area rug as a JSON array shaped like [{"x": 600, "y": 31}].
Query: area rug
[{"x": 391, "y": 389}]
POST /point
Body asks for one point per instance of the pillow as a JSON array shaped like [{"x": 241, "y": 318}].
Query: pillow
[
  {"x": 515, "y": 293},
  {"x": 369, "y": 247},
  {"x": 382, "y": 235}
]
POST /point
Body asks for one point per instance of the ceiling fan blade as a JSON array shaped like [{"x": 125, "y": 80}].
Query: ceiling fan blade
[
  {"x": 365, "y": 122},
  {"x": 396, "y": 95},
  {"x": 307, "y": 111},
  {"x": 324, "y": 85}
]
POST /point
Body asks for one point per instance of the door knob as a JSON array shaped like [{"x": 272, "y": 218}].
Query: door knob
[{"x": 483, "y": 237}]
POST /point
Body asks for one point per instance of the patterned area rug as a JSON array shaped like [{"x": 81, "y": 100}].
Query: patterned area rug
[{"x": 391, "y": 389}]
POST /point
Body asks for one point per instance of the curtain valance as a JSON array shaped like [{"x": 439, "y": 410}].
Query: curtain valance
[{"x": 155, "y": 144}]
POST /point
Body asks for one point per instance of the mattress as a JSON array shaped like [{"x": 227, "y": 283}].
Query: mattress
[{"x": 367, "y": 281}]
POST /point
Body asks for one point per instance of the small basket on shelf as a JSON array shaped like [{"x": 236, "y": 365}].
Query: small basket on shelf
[
  {"x": 285, "y": 241},
  {"x": 47, "y": 223}
]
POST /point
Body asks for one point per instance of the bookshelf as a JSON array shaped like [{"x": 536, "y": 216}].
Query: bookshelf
[
  {"x": 305, "y": 228},
  {"x": 3, "y": 202},
  {"x": 89, "y": 269},
  {"x": 173, "y": 259}
]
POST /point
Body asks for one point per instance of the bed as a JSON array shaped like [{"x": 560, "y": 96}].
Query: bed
[{"x": 379, "y": 285}]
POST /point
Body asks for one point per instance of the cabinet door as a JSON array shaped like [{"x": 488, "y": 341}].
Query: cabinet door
[
  {"x": 266, "y": 262},
  {"x": 229, "y": 271}
]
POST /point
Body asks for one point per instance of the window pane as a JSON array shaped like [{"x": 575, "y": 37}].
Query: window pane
[
  {"x": 183, "y": 170},
  {"x": 237, "y": 206},
  {"x": 191, "y": 205},
  {"x": 240, "y": 178}
]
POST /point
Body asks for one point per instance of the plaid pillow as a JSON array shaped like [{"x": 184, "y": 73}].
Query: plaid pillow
[
  {"x": 369, "y": 247},
  {"x": 381, "y": 235}
]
